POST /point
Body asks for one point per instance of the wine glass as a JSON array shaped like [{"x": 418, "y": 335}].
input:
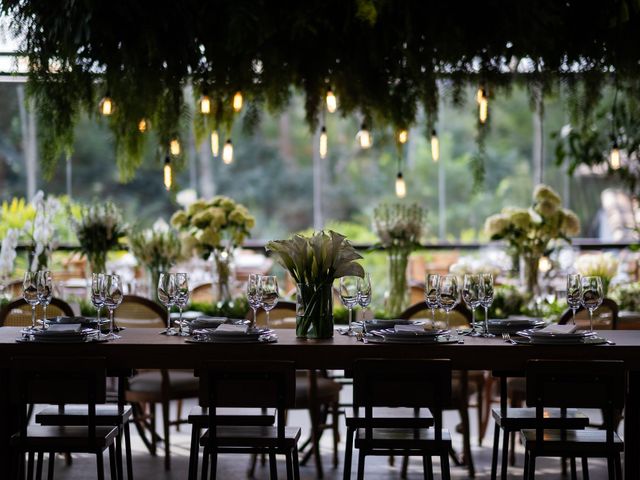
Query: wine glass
[
  {"x": 181, "y": 283},
  {"x": 349, "y": 296},
  {"x": 30, "y": 295},
  {"x": 45, "y": 293},
  {"x": 486, "y": 299},
  {"x": 167, "y": 296},
  {"x": 431, "y": 289},
  {"x": 364, "y": 292},
  {"x": 449, "y": 294},
  {"x": 112, "y": 299},
  {"x": 471, "y": 295},
  {"x": 592, "y": 296},
  {"x": 574, "y": 293},
  {"x": 97, "y": 296},
  {"x": 268, "y": 293},
  {"x": 253, "y": 296}
]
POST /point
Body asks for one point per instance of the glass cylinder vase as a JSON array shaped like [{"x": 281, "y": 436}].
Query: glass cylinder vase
[
  {"x": 223, "y": 275},
  {"x": 398, "y": 299},
  {"x": 314, "y": 311},
  {"x": 529, "y": 274}
]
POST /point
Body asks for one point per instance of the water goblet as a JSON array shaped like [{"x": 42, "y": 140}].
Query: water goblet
[
  {"x": 471, "y": 295},
  {"x": 431, "y": 288},
  {"x": 253, "y": 296},
  {"x": 486, "y": 299},
  {"x": 268, "y": 293},
  {"x": 45, "y": 293},
  {"x": 574, "y": 293},
  {"x": 592, "y": 295},
  {"x": 449, "y": 294},
  {"x": 349, "y": 296},
  {"x": 181, "y": 282},
  {"x": 30, "y": 295},
  {"x": 364, "y": 293},
  {"x": 167, "y": 296},
  {"x": 113, "y": 296},
  {"x": 97, "y": 297}
]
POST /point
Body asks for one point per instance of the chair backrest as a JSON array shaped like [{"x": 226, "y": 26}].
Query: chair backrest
[
  {"x": 13, "y": 289},
  {"x": 17, "y": 313},
  {"x": 282, "y": 316},
  {"x": 245, "y": 384},
  {"x": 459, "y": 316},
  {"x": 135, "y": 311},
  {"x": 401, "y": 383},
  {"x": 604, "y": 318},
  {"x": 202, "y": 293},
  {"x": 576, "y": 384}
]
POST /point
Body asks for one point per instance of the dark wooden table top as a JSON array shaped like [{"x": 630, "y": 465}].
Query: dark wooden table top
[{"x": 145, "y": 348}]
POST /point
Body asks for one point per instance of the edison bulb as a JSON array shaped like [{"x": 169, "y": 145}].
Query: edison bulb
[
  {"x": 324, "y": 143},
  {"x": 435, "y": 146},
  {"x": 480, "y": 95},
  {"x": 168, "y": 176},
  {"x": 227, "y": 152},
  {"x": 142, "y": 126},
  {"x": 106, "y": 106},
  {"x": 484, "y": 110},
  {"x": 401, "y": 187},
  {"x": 205, "y": 105},
  {"x": 215, "y": 143},
  {"x": 332, "y": 102},
  {"x": 614, "y": 159},
  {"x": 403, "y": 136},
  {"x": 174, "y": 147},
  {"x": 237, "y": 101},
  {"x": 364, "y": 137}
]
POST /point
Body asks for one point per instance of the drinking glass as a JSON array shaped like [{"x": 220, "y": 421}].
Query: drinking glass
[
  {"x": 431, "y": 289},
  {"x": 471, "y": 294},
  {"x": 486, "y": 299},
  {"x": 45, "y": 293},
  {"x": 592, "y": 296},
  {"x": 167, "y": 296},
  {"x": 574, "y": 293},
  {"x": 97, "y": 296},
  {"x": 364, "y": 292},
  {"x": 112, "y": 299},
  {"x": 30, "y": 295},
  {"x": 253, "y": 296},
  {"x": 349, "y": 296},
  {"x": 181, "y": 282},
  {"x": 268, "y": 293},
  {"x": 449, "y": 294}
]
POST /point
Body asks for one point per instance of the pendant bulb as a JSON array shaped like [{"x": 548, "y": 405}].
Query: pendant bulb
[
  {"x": 324, "y": 143},
  {"x": 614, "y": 158},
  {"x": 205, "y": 105},
  {"x": 435, "y": 146},
  {"x": 168, "y": 174},
  {"x": 237, "y": 101},
  {"x": 483, "y": 105},
  {"x": 364, "y": 137},
  {"x": 106, "y": 106},
  {"x": 332, "y": 101},
  {"x": 227, "y": 152},
  {"x": 215, "y": 144},
  {"x": 143, "y": 126},
  {"x": 403, "y": 136},
  {"x": 174, "y": 147},
  {"x": 401, "y": 187}
]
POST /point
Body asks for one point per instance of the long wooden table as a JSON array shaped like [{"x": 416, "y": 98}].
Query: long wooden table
[{"x": 145, "y": 348}]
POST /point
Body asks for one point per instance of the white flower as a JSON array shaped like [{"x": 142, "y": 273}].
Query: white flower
[
  {"x": 8, "y": 252},
  {"x": 599, "y": 264}
]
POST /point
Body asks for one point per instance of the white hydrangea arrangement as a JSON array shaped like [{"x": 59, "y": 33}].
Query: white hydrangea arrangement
[
  {"x": 8, "y": 253},
  {"x": 603, "y": 265},
  {"x": 41, "y": 230},
  {"x": 157, "y": 248}
]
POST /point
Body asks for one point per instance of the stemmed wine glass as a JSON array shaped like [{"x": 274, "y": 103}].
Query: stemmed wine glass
[
  {"x": 486, "y": 299},
  {"x": 112, "y": 299},
  {"x": 449, "y": 294},
  {"x": 349, "y": 296},
  {"x": 253, "y": 296},
  {"x": 592, "y": 296},
  {"x": 181, "y": 283},
  {"x": 574, "y": 293},
  {"x": 45, "y": 293},
  {"x": 431, "y": 289},
  {"x": 97, "y": 296},
  {"x": 167, "y": 296},
  {"x": 364, "y": 292},
  {"x": 471, "y": 295},
  {"x": 30, "y": 295},
  {"x": 268, "y": 293}
]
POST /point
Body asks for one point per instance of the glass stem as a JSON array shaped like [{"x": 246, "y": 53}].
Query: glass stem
[
  {"x": 448, "y": 324},
  {"x": 350, "y": 330},
  {"x": 591, "y": 320},
  {"x": 486, "y": 320},
  {"x": 573, "y": 310},
  {"x": 168, "y": 319},
  {"x": 111, "y": 322},
  {"x": 268, "y": 326},
  {"x": 44, "y": 317},
  {"x": 473, "y": 319},
  {"x": 433, "y": 316},
  {"x": 99, "y": 308},
  {"x": 33, "y": 317},
  {"x": 255, "y": 317},
  {"x": 180, "y": 322}
]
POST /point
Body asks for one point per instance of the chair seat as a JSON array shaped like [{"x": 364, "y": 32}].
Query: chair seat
[
  {"x": 63, "y": 439},
  {"x": 106, "y": 414},
  {"x": 328, "y": 389},
  {"x": 523, "y": 418},
  {"x": 181, "y": 384},
  {"x": 252, "y": 436},
  {"x": 233, "y": 416},
  {"x": 401, "y": 438},
  {"x": 393, "y": 418},
  {"x": 573, "y": 442}
]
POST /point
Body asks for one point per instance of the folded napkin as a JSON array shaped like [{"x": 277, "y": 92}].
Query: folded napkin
[
  {"x": 204, "y": 321},
  {"x": 227, "y": 329},
  {"x": 558, "y": 329},
  {"x": 61, "y": 329},
  {"x": 409, "y": 328},
  {"x": 71, "y": 320}
]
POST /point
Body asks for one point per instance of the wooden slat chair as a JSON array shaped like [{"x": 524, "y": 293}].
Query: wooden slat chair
[
  {"x": 59, "y": 381},
  {"x": 423, "y": 386},
  {"x": 202, "y": 293},
  {"x": 154, "y": 386},
  {"x": 13, "y": 289},
  {"x": 577, "y": 384},
  {"x": 17, "y": 313},
  {"x": 241, "y": 384}
]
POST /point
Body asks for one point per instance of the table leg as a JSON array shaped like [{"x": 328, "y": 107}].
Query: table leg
[{"x": 632, "y": 427}]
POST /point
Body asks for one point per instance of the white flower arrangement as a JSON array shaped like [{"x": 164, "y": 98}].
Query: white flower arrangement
[
  {"x": 603, "y": 265},
  {"x": 41, "y": 230},
  {"x": 157, "y": 248},
  {"x": 8, "y": 252}
]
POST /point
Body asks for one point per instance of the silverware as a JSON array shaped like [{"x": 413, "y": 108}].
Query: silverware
[{"x": 507, "y": 338}]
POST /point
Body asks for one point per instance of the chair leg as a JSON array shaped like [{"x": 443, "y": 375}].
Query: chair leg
[
  {"x": 480, "y": 408},
  {"x": 611, "y": 469},
  {"x": 296, "y": 466},
  {"x": 39, "y": 466},
  {"x": 361, "y": 457},
  {"x": 427, "y": 467},
  {"x": 348, "y": 450},
  {"x": 179, "y": 412},
  {"x": 116, "y": 473},
  {"x": 194, "y": 452},
  {"x": 100, "y": 465},
  {"x": 585, "y": 468},
  {"x": 315, "y": 438},
  {"x": 466, "y": 438},
  {"x": 119, "y": 463},
  {"x": 52, "y": 462},
  {"x": 532, "y": 466},
  {"x": 512, "y": 449},
  {"x": 165, "y": 426},
  {"x": 525, "y": 470},
  {"x": 335, "y": 416},
  {"x": 205, "y": 464},
  {"x": 30, "y": 466},
  {"x": 252, "y": 465},
  {"x": 494, "y": 453},
  {"x": 214, "y": 464},
  {"x": 574, "y": 469},
  {"x": 289, "y": 462},
  {"x": 127, "y": 451},
  {"x": 273, "y": 466},
  {"x": 619, "y": 468},
  {"x": 405, "y": 467},
  {"x": 444, "y": 467},
  {"x": 505, "y": 455}
]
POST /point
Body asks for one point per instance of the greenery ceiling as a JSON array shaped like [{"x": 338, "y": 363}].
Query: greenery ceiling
[{"x": 384, "y": 59}]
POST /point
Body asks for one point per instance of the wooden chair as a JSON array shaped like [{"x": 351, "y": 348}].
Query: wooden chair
[
  {"x": 13, "y": 289},
  {"x": 394, "y": 384},
  {"x": 151, "y": 387},
  {"x": 17, "y": 313},
  {"x": 247, "y": 385},
  {"x": 202, "y": 293},
  {"x": 59, "y": 381},
  {"x": 579, "y": 384},
  {"x": 604, "y": 318}
]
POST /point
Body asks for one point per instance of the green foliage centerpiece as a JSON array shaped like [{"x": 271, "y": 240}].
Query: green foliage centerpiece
[
  {"x": 399, "y": 228},
  {"x": 315, "y": 262}
]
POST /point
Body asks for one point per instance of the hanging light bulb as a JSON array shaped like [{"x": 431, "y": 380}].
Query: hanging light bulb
[
  {"x": 168, "y": 175},
  {"x": 403, "y": 136},
  {"x": 483, "y": 104},
  {"x": 237, "y": 101},
  {"x": 480, "y": 95},
  {"x": 364, "y": 137},
  {"x": 401, "y": 187},
  {"x": 174, "y": 147},
  {"x": 614, "y": 158},
  {"x": 435, "y": 146},
  {"x": 215, "y": 143},
  {"x": 106, "y": 106},
  {"x": 205, "y": 105},
  {"x": 324, "y": 142},
  {"x": 227, "y": 152},
  {"x": 332, "y": 101},
  {"x": 142, "y": 125}
]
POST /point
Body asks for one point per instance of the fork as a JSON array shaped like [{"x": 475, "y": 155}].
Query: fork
[{"x": 507, "y": 338}]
